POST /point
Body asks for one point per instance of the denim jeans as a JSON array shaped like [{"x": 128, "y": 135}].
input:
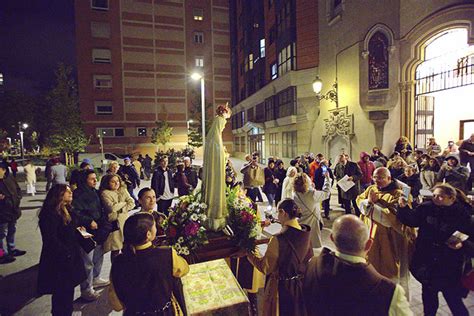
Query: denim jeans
[
  {"x": 271, "y": 198},
  {"x": 7, "y": 230},
  {"x": 93, "y": 264}
]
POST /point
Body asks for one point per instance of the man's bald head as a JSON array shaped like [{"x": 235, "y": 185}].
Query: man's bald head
[
  {"x": 350, "y": 234},
  {"x": 382, "y": 177}
]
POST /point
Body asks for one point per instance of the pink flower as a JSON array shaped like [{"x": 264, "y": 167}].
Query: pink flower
[
  {"x": 246, "y": 217},
  {"x": 191, "y": 229}
]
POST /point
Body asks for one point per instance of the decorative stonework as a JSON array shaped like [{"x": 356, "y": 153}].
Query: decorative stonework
[{"x": 338, "y": 129}]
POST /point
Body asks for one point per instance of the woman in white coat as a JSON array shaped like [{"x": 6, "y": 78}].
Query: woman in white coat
[
  {"x": 116, "y": 202},
  {"x": 30, "y": 173},
  {"x": 287, "y": 186},
  {"x": 309, "y": 201}
]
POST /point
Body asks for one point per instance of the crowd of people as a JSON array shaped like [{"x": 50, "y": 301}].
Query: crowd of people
[{"x": 375, "y": 249}]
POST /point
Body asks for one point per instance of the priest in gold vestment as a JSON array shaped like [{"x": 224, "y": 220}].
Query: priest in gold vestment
[{"x": 213, "y": 176}]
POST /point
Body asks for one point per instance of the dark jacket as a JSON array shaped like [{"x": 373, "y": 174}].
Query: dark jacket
[
  {"x": 319, "y": 178},
  {"x": 269, "y": 187},
  {"x": 129, "y": 176},
  {"x": 158, "y": 181},
  {"x": 413, "y": 182},
  {"x": 182, "y": 183},
  {"x": 328, "y": 278},
  {"x": 191, "y": 176},
  {"x": 10, "y": 205},
  {"x": 60, "y": 266},
  {"x": 457, "y": 176},
  {"x": 86, "y": 206},
  {"x": 144, "y": 281},
  {"x": 351, "y": 169},
  {"x": 434, "y": 263}
]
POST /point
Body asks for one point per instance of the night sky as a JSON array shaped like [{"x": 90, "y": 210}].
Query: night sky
[{"x": 35, "y": 35}]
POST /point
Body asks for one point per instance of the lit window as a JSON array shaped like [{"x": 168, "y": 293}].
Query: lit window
[
  {"x": 198, "y": 14},
  {"x": 100, "y": 4},
  {"x": 250, "y": 61},
  {"x": 1, "y": 79},
  {"x": 274, "y": 71},
  {"x": 141, "y": 131},
  {"x": 262, "y": 48},
  {"x": 103, "y": 107},
  {"x": 102, "y": 81},
  {"x": 101, "y": 56},
  {"x": 198, "y": 37},
  {"x": 199, "y": 62},
  {"x": 100, "y": 29},
  {"x": 111, "y": 132}
]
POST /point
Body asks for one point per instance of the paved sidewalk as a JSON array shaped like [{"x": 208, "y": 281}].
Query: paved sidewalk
[{"x": 28, "y": 238}]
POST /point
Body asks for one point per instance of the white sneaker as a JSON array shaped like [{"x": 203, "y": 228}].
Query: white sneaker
[
  {"x": 98, "y": 282},
  {"x": 90, "y": 296}
]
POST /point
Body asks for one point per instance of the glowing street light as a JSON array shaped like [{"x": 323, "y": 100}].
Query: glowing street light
[
  {"x": 21, "y": 127},
  {"x": 197, "y": 76}
]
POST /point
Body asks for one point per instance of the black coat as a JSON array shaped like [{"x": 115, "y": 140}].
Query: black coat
[
  {"x": 191, "y": 176},
  {"x": 10, "y": 205},
  {"x": 319, "y": 178},
  {"x": 60, "y": 265},
  {"x": 158, "y": 181},
  {"x": 351, "y": 169},
  {"x": 413, "y": 182},
  {"x": 129, "y": 176},
  {"x": 433, "y": 262},
  {"x": 269, "y": 187}
]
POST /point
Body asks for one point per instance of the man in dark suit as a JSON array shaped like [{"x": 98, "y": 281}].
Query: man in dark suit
[
  {"x": 163, "y": 184},
  {"x": 352, "y": 170}
]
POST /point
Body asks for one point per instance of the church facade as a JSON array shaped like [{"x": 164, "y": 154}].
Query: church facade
[{"x": 401, "y": 68}]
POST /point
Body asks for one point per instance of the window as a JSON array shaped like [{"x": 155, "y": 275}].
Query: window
[
  {"x": 260, "y": 113},
  {"x": 103, "y": 107},
  {"x": 1, "y": 79},
  {"x": 100, "y": 4},
  {"x": 273, "y": 141},
  {"x": 287, "y": 102},
  {"x": 262, "y": 48},
  {"x": 102, "y": 81},
  {"x": 251, "y": 114},
  {"x": 283, "y": 18},
  {"x": 250, "y": 59},
  {"x": 141, "y": 131},
  {"x": 286, "y": 59},
  {"x": 111, "y": 131},
  {"x": 198, "y": 37},
  {"x": 199, "y": 61},
  {"x": 274, "y": 71},
  {"x": 101, "y": 56},
  {"x": 289, "y": 144},
  {"x": 242, "y": 144},
  {"x": 378, "y": 61},
  {"x": 100, "y": 29},
  {"x": 198, "y": 14},
  {"x": 270, "y": 109}
]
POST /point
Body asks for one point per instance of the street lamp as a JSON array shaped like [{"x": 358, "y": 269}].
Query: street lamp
[
  {"x": 21, "y": 127},
  {"x": 197, "y": 76},
  {"x": 188, "y": 122},
  {"x": 331, "y": 95}
]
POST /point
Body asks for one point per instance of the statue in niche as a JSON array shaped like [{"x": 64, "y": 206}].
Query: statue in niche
[{"x": 378, "y": 61}]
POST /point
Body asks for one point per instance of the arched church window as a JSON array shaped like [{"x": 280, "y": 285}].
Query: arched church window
[{"x": 378, "y": 61}]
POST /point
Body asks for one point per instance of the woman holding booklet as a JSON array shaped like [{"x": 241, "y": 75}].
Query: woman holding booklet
[{"x": 442, "y": 246}]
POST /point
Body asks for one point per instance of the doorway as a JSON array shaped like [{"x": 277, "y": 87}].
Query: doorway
[{"x": 444, "y": 91}]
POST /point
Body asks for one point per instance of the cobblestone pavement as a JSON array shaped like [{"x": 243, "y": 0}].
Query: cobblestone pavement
[{"x": 28, "y": 238}]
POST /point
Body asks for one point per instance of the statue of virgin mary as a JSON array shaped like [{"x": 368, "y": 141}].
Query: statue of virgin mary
[{"x": 213, "y": 176}]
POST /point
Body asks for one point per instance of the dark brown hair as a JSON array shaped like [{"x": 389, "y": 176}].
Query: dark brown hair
[
  {"x": 52, "y": 204},
  {"x": 290, "y": 207}
]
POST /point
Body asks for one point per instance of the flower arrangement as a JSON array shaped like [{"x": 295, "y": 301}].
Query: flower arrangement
[
  {"x": 242, "y": 219},
  {"x": 184, "y": 229}
]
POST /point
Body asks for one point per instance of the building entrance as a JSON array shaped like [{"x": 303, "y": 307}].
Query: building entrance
[{"x": 444, "y": 91}]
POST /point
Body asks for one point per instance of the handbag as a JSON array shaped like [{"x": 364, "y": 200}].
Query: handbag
[
  {"x": 467, "y": 280},
  {"x": 87, "y": 243}
]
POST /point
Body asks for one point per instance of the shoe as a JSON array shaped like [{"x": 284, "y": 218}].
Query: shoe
[
  {"x": 7, "y": 259},
  {"x": 17, "y": 252},
  {"x": 98, "y": 282},
  {"x": 90, "y": 296}
]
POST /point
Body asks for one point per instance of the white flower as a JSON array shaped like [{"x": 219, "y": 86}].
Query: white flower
[
  {"x": 185, "y": 250},
  {"x": 203, "y": 205},
  {"x": 194, "y": 217},
  {"x": 180, "y": 240},
  {"x": 203, "y": 217}
]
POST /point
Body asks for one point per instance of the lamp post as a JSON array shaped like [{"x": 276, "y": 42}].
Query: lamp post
[
  {"x": 197, "y": 76},
  {"x": 21, "y": 127},
  {"x": 188, "y": 122},
  {"x": 331, "y": 95},
  {"x": 101, "y": 142}
]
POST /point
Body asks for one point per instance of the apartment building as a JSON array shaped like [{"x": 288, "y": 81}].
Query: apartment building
[
  {"x": 134, "y": 61},
  {"x": 275, "y": 57}
]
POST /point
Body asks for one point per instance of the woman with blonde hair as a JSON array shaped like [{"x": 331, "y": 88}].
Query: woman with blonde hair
[
  {"x": 309, "y": 201},
  {"x": 404, "y": 147},
  {"x": 116, "y": 202}
]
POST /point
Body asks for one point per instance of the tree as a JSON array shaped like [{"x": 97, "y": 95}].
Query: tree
[
  {"x": 67, "y": 134},
  {"x": 161, "y": 134}
]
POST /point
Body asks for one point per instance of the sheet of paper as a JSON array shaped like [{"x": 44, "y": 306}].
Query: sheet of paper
[
  {"x": 345, "y": 184},
  {"x": 425, "y": 192},
  {"x": 272, "y": 230}
]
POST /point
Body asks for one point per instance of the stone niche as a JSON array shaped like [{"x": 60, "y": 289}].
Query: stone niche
[{"x": 338, "y": 133}]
